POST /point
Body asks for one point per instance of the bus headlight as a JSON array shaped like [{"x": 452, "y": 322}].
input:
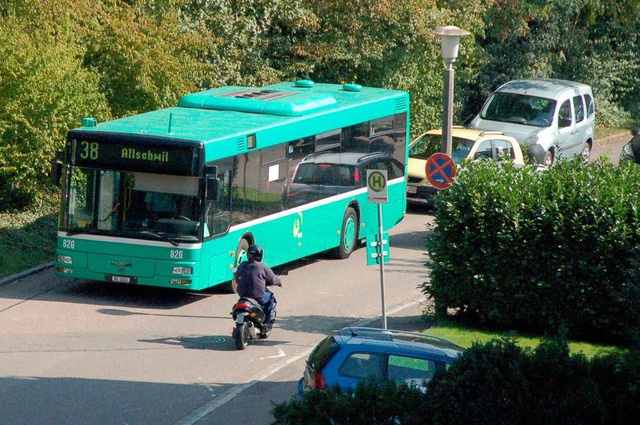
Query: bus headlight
[
  {"x": 182, "y": 270},
  {"x": 65, "y": 259}
]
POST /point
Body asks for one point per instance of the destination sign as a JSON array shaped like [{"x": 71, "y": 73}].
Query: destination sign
[{"x": 132, "y": 155}]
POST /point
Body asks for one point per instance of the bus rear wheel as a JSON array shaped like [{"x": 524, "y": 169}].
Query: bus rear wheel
[{"x": 348, "y": 235}]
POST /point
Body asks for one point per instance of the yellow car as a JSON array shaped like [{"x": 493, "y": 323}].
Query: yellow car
[{"x": 466, "y": 144}]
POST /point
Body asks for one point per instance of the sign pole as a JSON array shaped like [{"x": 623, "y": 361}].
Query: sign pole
[
  {"x": 381, "y": 248},
  {"x": 378, "y": 193}
]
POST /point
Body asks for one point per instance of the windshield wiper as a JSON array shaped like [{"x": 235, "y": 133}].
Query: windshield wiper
[{"x": 161, "y": 235}]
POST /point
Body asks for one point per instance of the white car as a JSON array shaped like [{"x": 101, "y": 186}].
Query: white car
[{"x": 550, "y": 118}]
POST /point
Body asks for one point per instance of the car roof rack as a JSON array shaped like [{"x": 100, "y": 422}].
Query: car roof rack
[
  {"x": 392, "y": 335},
  {"x": 490, "y": 132}
]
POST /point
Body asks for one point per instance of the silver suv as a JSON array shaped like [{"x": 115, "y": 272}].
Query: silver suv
[{"x": 551, "y": 118}]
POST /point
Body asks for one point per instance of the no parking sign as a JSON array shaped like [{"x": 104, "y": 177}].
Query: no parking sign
[{"x": 440, "y": 170}]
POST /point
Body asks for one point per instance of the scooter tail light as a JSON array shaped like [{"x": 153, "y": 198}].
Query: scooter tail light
[
  {"x": 243, "y": 305},
  {"x": 319, "y": 381}
]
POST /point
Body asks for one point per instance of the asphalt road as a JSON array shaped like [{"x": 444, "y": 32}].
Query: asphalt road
[
  {"x": 610, "y": 147},
  {"x": 78, "y": 352}
]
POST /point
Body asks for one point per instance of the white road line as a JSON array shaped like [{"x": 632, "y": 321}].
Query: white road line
[{"x": 207, "y": 408}]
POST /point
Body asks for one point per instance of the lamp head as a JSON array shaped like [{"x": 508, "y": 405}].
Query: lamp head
[{"x": 450, "y": 36}]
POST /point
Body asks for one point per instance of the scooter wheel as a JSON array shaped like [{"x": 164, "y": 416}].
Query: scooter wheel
[
  {"x": 265, "y": 333},
  {"x": 241, "y": 337}
]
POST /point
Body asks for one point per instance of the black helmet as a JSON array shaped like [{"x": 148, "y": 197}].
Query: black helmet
[{"x": 255, "y": 252}]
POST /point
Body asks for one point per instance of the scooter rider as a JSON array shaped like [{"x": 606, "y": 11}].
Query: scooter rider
[{"x": 253, "y": 277}]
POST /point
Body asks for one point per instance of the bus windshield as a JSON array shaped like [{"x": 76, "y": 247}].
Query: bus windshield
[{"x": 133, "y": 204}]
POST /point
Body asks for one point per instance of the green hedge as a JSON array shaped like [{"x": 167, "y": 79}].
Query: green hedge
[
  {"x": 495, "y": 383},
  {"x": 552, "y": 251}
]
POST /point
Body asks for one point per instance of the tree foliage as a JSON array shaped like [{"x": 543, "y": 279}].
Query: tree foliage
[{"x": 65, "y": 59}]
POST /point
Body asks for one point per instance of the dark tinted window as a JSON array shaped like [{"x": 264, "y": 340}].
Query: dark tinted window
[
  {"x": 589, "y": 102},
  {"x": 325, "y": 174},
  {"x": 564, "y": 115},
  {"x": 323, "y": 353},
  {"x": 363, "y": 365},
  {"x": 262, "y": 179},
  {"x": 393, "y": 167},
  {"x": 579, "y": 108},
  {"x": 410, "y": 369},
  {"x": 258, "y": 180}
]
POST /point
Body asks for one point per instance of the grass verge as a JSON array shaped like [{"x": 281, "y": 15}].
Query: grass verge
[
  {"x": 465, "y": 337},
  {"x": 27, "y": 238}
]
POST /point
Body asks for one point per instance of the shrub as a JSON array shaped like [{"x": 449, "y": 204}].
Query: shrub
[
  {"x": 368, "y": 404},
  {"x": 493, "y": 383},
  {"x": 515, "y": 248},
  {"x": 499, "y": 382}
]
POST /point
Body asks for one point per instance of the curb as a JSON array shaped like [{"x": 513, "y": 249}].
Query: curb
[
  {"x": 25, "y": 273},
  {"x": 606, "y": 140}
]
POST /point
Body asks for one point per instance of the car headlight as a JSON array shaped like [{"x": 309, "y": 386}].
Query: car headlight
[
  {"x": 531, "y": 140},
  {"x": 627, "y": 153}
]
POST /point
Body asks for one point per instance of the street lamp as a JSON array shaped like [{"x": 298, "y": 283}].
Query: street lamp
[{"x": 450, "y": 37}]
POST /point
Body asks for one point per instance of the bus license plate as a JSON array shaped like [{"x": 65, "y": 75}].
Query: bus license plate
[
  {"x": 120, "y": 279},
  {"x": 412, "y": 189}
]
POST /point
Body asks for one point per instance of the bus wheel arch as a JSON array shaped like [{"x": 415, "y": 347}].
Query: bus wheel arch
[
  {"x": 349, "y": 232},
  {"x": 240, "y": 255}
]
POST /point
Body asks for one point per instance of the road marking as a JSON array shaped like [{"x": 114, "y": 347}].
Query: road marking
[
  {"x": 209, "y": 407},
  {"x": 280, "y": 354}
]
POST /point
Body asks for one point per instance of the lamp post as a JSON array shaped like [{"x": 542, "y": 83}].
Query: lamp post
[{"x": 450, "y": 37}]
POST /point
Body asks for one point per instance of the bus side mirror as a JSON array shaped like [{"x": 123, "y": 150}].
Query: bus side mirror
[
  {"x": 213, "y": 189},
  {"x": 56, "y": 169}
]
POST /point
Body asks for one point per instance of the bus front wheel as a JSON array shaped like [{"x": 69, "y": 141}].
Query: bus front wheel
[
  {"x": 348, "y": 235},
  {"x": 241, "y": 255}
]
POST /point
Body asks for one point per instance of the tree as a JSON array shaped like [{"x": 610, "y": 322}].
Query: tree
[{"x": 45, "y": 90}]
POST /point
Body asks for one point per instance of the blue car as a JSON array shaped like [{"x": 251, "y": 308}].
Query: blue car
[{"x": 346, "y": 357}]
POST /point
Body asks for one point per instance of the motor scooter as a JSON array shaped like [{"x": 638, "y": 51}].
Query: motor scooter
[{"x": 251, "y": 323}]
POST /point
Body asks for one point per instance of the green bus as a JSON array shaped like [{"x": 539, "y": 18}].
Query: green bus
[{"x": 174, "y": 197}]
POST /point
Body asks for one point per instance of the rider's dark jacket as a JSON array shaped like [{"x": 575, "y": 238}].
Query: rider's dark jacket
[{"x": 253, "y": 277}]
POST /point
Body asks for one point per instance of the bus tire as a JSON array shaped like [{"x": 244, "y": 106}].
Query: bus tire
[
  {"x": 348, "y": 234},
  {"x": 241, "y": 254}
]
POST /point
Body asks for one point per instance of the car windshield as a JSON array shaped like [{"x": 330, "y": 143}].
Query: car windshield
[
  {"x": 425, "y": 146},
  {"x": 520, "y": 109},
  {"x": 428, "y": 144}
]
